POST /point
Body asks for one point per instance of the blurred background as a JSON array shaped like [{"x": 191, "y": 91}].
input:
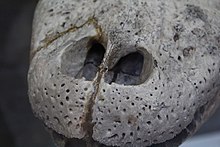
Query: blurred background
[{"x": 18, "y": 126}]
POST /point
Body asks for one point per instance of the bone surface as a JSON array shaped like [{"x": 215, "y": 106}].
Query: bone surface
[{"x": 125, "y": 73}]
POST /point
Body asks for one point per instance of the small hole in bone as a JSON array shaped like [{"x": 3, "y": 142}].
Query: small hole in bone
[
  {"x": 159, "y": 117},
  {"x": 62, "y": 85},
  {"x": 123, "y": 135},
  {"x": 82, "y": 98},
  {"x": 149, "y": 122},
  {"x": 138, "y": 128},
  {"x": 67, "y": 98}
]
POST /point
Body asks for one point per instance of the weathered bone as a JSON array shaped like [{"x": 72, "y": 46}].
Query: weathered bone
[{"x": 125, "y": 73}]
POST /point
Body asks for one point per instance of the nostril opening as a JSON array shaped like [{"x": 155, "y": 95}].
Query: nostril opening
[
  {"x": 82, "y": 59},
  {"x": 132, "y": 69},
  {"x": 93, "y": 59},
  {"x": 128, "y": 68}
]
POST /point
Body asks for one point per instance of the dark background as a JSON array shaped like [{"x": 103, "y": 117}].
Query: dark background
[{"x": 18, "y": 126}]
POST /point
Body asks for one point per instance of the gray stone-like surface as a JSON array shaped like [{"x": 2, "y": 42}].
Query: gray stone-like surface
[{"x": 176, "y": 91}]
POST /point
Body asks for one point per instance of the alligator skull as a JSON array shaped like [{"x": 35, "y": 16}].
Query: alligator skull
[{"x": 125, "y": 73}]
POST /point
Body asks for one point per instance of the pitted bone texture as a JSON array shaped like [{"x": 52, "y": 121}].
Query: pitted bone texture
[
  {"x": 125, "y": 73},
  {"x": 59, "y": 100}
]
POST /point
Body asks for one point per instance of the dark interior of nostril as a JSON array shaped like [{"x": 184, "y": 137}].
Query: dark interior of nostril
[
  {"x": 128, "y": 69},
  {"x": 93, "y": 60},
  {"x": 95, "y": 54},
  {"x": 131, "y": 64}
]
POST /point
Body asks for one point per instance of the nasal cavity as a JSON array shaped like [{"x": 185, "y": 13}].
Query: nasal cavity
[
  {"x": 93, "y": 59},
  {"x": 130, "y": 69}
]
